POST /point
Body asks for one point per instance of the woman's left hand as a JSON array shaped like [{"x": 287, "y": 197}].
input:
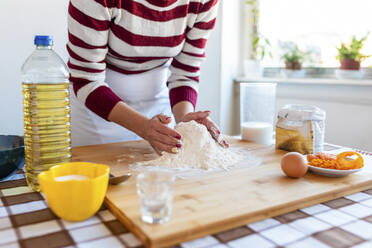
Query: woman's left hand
[{"x": 202, "y": 117}]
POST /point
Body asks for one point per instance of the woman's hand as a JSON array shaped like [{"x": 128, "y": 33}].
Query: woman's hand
[
  {"x": 184, "y": 112},
  {"x": 202, "y": 117},
  {"x": 160, "y": 136},
  {"x": 155, "y": 131}
]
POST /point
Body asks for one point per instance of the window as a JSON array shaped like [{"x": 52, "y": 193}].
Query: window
[{"x": 316, "y": 24}]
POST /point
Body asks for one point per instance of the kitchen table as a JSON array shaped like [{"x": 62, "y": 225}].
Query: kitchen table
[{"x": 27, "y": 221}]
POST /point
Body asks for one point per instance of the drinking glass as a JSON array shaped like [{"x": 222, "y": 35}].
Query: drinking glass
[
  {"x": 257, "y": 112},
  {"x": 155, "y": 189}
]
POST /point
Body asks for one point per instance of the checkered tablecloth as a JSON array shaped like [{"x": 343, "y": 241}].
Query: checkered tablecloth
[{"x": 26, "y": 221}]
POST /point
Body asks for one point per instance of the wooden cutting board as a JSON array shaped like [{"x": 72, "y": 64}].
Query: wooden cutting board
[{"x": 219, "y": 201}]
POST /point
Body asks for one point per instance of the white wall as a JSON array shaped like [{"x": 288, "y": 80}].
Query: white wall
[
  {"x": 222, "y": 66},
  {"x": 231, "y": 56},
  {"x": 20, "y": 21},
  {"x": 210, "y": 78}
]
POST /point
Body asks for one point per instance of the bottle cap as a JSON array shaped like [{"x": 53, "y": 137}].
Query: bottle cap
[{"x": 43, "y": 40}]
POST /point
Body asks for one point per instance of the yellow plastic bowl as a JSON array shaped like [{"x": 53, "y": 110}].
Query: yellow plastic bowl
[{"x": 75, "y": 200}]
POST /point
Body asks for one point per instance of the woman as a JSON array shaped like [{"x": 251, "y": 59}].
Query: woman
[{"x": 123, "y": 55}]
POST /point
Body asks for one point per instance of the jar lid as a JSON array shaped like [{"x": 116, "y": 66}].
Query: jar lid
[{"x": 300, "y": 112}]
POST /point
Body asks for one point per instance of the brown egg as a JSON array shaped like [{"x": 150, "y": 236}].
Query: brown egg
[{"x": 294, "y": 164}]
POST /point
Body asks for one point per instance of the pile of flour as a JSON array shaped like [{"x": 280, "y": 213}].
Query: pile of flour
[{"x": 199, "y": 150}]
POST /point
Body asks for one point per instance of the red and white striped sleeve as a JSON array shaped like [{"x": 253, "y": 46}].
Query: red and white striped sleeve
[
  {"x": 87, "y": 47},
  {"x": 183, "y": 82}
]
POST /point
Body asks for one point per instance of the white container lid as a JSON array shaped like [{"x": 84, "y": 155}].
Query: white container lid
[{"x": 300, "y": 112}]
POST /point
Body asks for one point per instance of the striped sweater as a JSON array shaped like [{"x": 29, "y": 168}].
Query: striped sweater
[{"x": 135, "y": 36}]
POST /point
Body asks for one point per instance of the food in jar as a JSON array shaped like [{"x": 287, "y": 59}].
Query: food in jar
[{"x": 294, "y": 140}]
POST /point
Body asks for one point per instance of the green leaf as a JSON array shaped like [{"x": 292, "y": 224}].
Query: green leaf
[
  {"x": 353, "y": 49},
  {"x": 260, "y": 46},
  {"x": 255, "y": 42}
]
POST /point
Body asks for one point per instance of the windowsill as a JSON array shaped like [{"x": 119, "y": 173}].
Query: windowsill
[{"x": 317, "y": 81}]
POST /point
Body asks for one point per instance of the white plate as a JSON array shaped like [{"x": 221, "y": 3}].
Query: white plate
[{"x": 330, "y": 172}]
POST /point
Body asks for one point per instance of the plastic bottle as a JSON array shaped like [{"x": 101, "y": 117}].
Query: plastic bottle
[{"x": 46, "y": 110}]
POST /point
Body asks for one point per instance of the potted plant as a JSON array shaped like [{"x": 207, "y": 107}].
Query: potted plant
[
  {"x": 350, "y": 55},
  {"x": 258, "y": 46},
  {"x": 293, "y": 57}
]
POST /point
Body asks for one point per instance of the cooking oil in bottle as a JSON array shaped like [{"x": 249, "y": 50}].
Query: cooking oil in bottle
[{"x": 46, "y": 110}]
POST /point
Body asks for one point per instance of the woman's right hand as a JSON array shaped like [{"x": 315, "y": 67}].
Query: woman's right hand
[{"x": 161, "y": 137}]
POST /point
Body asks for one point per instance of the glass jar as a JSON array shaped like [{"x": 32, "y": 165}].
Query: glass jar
[{"x": 257, "y": 112}]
